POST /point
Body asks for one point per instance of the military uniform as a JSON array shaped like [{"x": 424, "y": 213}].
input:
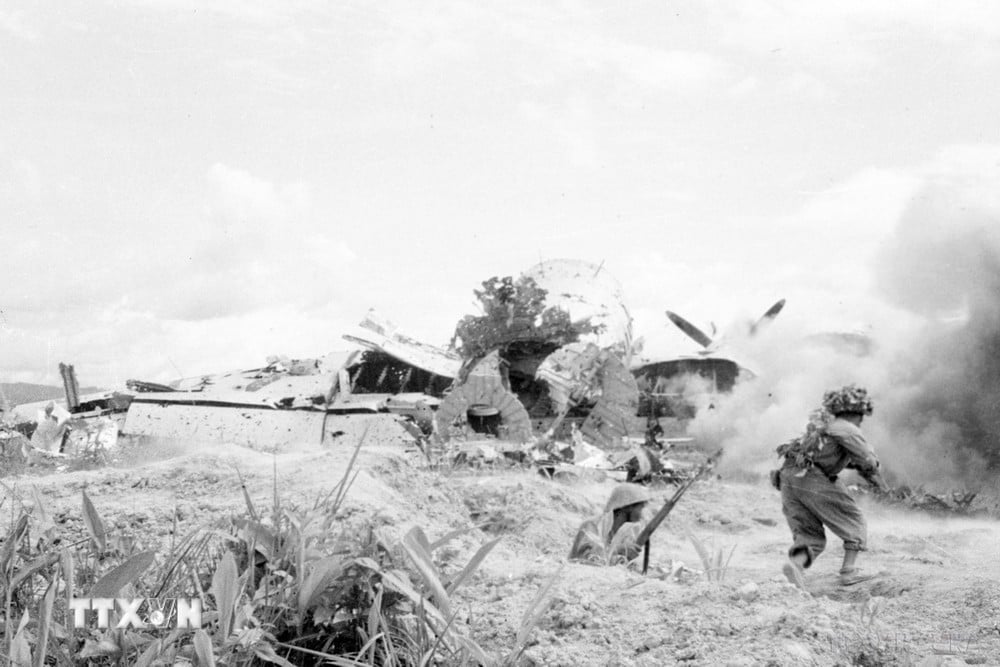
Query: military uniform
[
  {"x": 813, "y": 497},
  {"x": 595, "y": 543}
]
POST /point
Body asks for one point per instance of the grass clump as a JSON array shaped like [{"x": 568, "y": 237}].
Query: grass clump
[{"x": 290, "y": 585}]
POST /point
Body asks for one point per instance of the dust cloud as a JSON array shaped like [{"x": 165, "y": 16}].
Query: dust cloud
[{"x": 934, "y": 367}]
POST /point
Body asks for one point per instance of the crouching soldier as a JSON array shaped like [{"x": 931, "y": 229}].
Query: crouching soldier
[
  {"x": 610, "y": 538},
  {"x": 811, "y": 495}
]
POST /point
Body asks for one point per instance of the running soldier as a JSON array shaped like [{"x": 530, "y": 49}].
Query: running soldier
[{"x": 811, "y": 495}]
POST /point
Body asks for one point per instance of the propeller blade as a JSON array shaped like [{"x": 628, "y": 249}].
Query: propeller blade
[
  {"x": 767, "y": 317},
  {"x": 691, "y": 330}
]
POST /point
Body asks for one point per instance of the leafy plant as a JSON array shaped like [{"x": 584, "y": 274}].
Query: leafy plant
[
  {"x": 715, "y": 562},
  {"x": 287, "y": 585},
  {"x": 515, "y": 311}
]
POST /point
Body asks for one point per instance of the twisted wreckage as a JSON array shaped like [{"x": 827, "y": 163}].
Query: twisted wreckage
[{"x": 547, "y": 361}]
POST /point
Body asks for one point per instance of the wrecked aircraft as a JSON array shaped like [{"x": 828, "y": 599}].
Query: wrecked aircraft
[
  {"x": 680, "y": 386},
  {"x": 549, "y": 355},
  {"x": 289, "y": 400},
  {"x": 550, "y": 349}
]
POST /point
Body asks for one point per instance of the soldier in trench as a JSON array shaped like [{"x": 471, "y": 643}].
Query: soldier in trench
[
  {"x": 611, "y": 537},
  {"x": 812, "y": 496}
]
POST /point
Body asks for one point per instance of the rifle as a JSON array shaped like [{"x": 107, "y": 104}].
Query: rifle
[{"x": 647, "y": 532}]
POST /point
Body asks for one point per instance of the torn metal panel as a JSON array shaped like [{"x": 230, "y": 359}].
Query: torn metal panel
[
  {"x": 571, "y": 373},
  {"x": 582, "y": 374},
  {"x": 223, "y": 399},
  {"x": 249, "y": 426},
  {"x": 613, "y": 417},
  {"x": 376, "y": 333},
  {"x": 70, "y": 386},
  {"x": 141, "y": 387},
  {"x": 484, "y": 386},
  {"x": 588, "y": 292},
  {"x": 90, "y": 405},
  {"x": 283, "y": 382},
  {"x": 376, "y": 372}
]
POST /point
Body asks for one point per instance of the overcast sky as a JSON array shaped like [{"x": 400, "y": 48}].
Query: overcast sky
[{"x": 189, "y": 187}]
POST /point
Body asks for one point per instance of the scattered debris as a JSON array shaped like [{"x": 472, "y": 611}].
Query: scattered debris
[{"x": 954, "y": 502}]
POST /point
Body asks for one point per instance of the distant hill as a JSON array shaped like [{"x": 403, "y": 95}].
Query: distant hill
[{"x": 23, "y": 392}]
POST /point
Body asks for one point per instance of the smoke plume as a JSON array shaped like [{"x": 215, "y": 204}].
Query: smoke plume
[{"x": 934, "y": 372}]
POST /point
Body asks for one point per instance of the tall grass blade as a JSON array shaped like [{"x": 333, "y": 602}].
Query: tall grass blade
[
  {"x": 401, "y": 585},
  {"x": 69, "y": 574},
  {"x": 448, "y": 537},
  {"x": 725, "y": 566},
  {"x": 266, "y": 652},
  {"x": 93, "y": 522},
  {"x": 11, "y": 543},
  {"x": 203, "y": 649},
  {"x": 703, "y": 555},
  {"x": 31, "y": 568},
  {"x": 43, "y": 517},
  {"x": 374, "y": 617},
  {"x": 337, "y": 660},
  {"x": 479, "y": 656},
  {"x": 531, "y": 618},
  {"x": 343, "y": 485},
  {"x": 151, "y": 653},
  {"x": 429, "y": 654},
  {"x": 45, "y": 621},
  {"x": 111, "y": 583},
  {"x": 20, "y": 650},
  {"x": 472, "y": 565},
  {"x": 425, "y": 566},
  {"x": 421, "y": 538},
  {"x": 322, "y": 573},
  {"x": 246, "y": 497},
  {"x": 191, "y": 550},
  {"x": 224, "y": 590}
]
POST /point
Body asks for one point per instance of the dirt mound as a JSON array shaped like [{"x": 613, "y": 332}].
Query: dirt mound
[{"x": 938, "y": 597}]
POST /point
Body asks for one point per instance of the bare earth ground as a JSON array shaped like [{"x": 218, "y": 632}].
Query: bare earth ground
[{"x": 936, "y": 603}]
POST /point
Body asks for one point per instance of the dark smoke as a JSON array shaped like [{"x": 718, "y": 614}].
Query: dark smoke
[
  {"x": 934, "y": 372},
  {"x": 943, "y": 263}
]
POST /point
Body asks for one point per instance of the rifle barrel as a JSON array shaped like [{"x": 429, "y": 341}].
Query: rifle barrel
[{"x": 655, "y": 522}]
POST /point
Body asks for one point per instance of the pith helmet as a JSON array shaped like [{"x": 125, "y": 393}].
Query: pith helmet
[
  {"x": 625, "y": 495},
  {"x": 848, "y": 399}
]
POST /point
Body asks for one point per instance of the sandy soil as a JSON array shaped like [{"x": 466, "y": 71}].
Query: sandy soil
[{"x": 936, "y": 601}]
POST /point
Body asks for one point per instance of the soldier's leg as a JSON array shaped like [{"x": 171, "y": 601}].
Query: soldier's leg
[
  {"x": 808, "y": 536},
  {"x": 840, "y": 513}
]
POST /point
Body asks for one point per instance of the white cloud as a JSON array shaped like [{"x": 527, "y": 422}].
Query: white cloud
[
  {"x": 572, "y": 123},
  {"x": 854, "y": 33},
  {"x": 14, "y": 24},
  {"x": 244, "y": 200},
  {"x": 665, "y": 69}
]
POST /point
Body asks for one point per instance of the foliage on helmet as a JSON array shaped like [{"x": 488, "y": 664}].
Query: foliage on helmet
[{"x": 848, "y": 399}]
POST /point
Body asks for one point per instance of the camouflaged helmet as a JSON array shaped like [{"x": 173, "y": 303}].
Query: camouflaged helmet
[
  {"x": 819, "y": 419},
  {"x": 848, "y": 399},
  {"x": 625, "y": 495}
]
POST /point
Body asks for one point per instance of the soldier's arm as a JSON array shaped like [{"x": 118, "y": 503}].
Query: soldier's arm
[{"x": 853, "y": 441}]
